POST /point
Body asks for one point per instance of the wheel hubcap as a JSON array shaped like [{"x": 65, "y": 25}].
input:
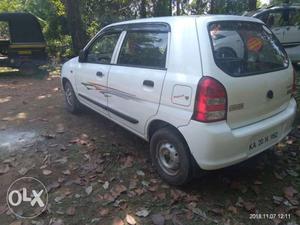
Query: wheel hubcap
[{"x": 168, "y": 158}]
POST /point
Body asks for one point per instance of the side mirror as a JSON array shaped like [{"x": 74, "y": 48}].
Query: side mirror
[{"x": 82, "y": 56}]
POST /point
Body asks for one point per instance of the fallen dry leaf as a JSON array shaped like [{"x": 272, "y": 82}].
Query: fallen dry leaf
[
  {"x": 140, "y": 173},
  {"x": 66, "y": 172},
  {"x": 60, "y": 129},
  {"x": 23, "y": 171},
  {"x": 277, "y": 199},
  {"x": 71, "y": 211},
  {"x": 47, "y": 172},
  {"x": 49, "y": 136},
  {"x": 53, "y": 186},
  {"x": 249, "y": 206},
  {"x": 56, "y": 222},
  {"x": 128, "y": 163},
  {"x": 104, "y": 212},
  {"x": 117, "y": 190},
  {"x": 108, "y": 197},
  {"x": 289, "y": 192},
  {"x": 106, "y": 185},
  {"x": 142, "y": 213},
  {"x": 16, "y": 223},
  {"x": 217, "y": 211},
  {"x": 232, "y": 209},
  {"x": 176, "y": 221},
  {"x": 158, "y": 219},
  {"x": 130, "y": 219},
  {"x": 89, "y": 190},
  {"x": 118, "y": 221},
  {"x": 4, "y": 169}
]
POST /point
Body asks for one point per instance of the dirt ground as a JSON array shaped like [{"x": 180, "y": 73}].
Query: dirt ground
[{"x": 98, "y": 173}]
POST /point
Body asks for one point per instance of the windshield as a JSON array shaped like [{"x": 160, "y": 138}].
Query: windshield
[{"x": 246, "y": 48}]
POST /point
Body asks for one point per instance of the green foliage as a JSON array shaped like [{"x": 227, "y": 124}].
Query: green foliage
[
  {"x": 98, "y": 13},
  {"x": 11, "y": 5}
]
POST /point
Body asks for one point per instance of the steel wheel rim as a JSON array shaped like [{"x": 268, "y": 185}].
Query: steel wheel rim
[
  {"x": 168, "y": 158},
  {"x": 69, "y": 96}
]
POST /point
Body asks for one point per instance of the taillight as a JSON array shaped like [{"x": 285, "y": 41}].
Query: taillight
[
  {"x": 294, "y": 89},
  {"x": 211, "y": 101}
]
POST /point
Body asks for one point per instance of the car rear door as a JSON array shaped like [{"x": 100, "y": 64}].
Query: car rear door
[
  {"x": 136, "y": 79},
  {"x": 92, "y": 74},
  {"x": 258, "y": 84}
]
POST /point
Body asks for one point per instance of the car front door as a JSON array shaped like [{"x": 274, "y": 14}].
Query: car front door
[
  {"x": 292, "y": 35},
  {"x": 92, "y": 74},
  {"x": 135, "y": 81}
]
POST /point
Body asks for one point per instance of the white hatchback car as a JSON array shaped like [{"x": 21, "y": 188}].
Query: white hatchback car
[{"x": 198, "y": 101}]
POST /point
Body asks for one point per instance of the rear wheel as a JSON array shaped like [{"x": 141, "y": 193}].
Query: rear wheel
[
  {"x": 72, "y": 103},
  {"x": 171, "y": 157}
]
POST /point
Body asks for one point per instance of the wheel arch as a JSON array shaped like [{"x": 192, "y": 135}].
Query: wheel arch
[
  {"x": 157, "y": 124},
  {"x": 64, "y": 81}
]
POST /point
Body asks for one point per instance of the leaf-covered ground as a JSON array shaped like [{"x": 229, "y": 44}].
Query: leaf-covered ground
[{"x": 99, "y": 173}]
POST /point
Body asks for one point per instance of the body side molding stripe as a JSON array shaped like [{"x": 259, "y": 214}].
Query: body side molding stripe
[{"x": 117, "y": 113}]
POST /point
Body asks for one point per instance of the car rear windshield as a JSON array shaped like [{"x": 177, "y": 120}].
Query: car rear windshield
[{"x": 246, "y": 48}]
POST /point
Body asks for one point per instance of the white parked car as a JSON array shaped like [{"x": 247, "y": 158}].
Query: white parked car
[
  {"x": 284, "y": 21},
  {"x": 170, "y": 81}
]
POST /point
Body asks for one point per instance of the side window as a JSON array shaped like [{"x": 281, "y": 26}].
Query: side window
[
  {"x": 4, "y": 31},
  {"x": 146, "y": 49},
  {"x": 263, "y": 17},
  {"x": 277, "y": 18},
  {"x": 295, "y": 18},
  {"x": 102, "y": 49}
]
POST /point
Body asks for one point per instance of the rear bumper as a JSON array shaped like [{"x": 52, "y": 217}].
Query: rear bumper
[{"x": 216, "y": 145}]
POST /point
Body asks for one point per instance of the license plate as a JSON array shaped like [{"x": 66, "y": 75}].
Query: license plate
[
  {"x": 263, "y": 140},
  {"x": 24, "y": 52}
]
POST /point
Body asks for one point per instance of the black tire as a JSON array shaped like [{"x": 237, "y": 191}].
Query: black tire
[
  {"x": 167, "y": 140},
  {"x": 28, "y": 69},
  {"x": 71, "y": 101}
]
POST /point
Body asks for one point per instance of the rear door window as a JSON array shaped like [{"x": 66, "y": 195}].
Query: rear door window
[
  {"x": 295, "y": 18},
  {"x": 246, "y": 48},
  {"x": 144, "y": 49}
]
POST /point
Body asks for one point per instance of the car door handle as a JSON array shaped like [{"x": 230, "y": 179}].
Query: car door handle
[
  {"x": 99, "y": 74},
  {"x": 148, "y": 83}
]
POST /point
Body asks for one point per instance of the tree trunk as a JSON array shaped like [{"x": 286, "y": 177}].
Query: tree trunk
[
  {"x": 252, "y": 5},
  {"x": 178, "y": 11},
  {"x": 78, "y": 34},
  {"x": 212, "y": 7},
  {"x": 143, "y": 11},
  {"x": 161, "y": 8}
]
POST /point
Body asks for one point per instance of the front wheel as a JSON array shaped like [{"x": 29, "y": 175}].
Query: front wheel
[
  {"x": 171, "y": 157},
  {"x": 72, "y": 103}
]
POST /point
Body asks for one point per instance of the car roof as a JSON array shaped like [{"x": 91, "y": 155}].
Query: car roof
[{"x": 173, "y": 19}]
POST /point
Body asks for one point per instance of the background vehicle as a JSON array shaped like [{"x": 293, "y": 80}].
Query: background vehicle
[
  {"x": 284, "y": 21},
  {"x": 170, "y": 81},
  {"x": 22, "y": 44}
]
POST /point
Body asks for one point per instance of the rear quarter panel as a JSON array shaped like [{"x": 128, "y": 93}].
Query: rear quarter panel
[{"x": 184, "y": 70}]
